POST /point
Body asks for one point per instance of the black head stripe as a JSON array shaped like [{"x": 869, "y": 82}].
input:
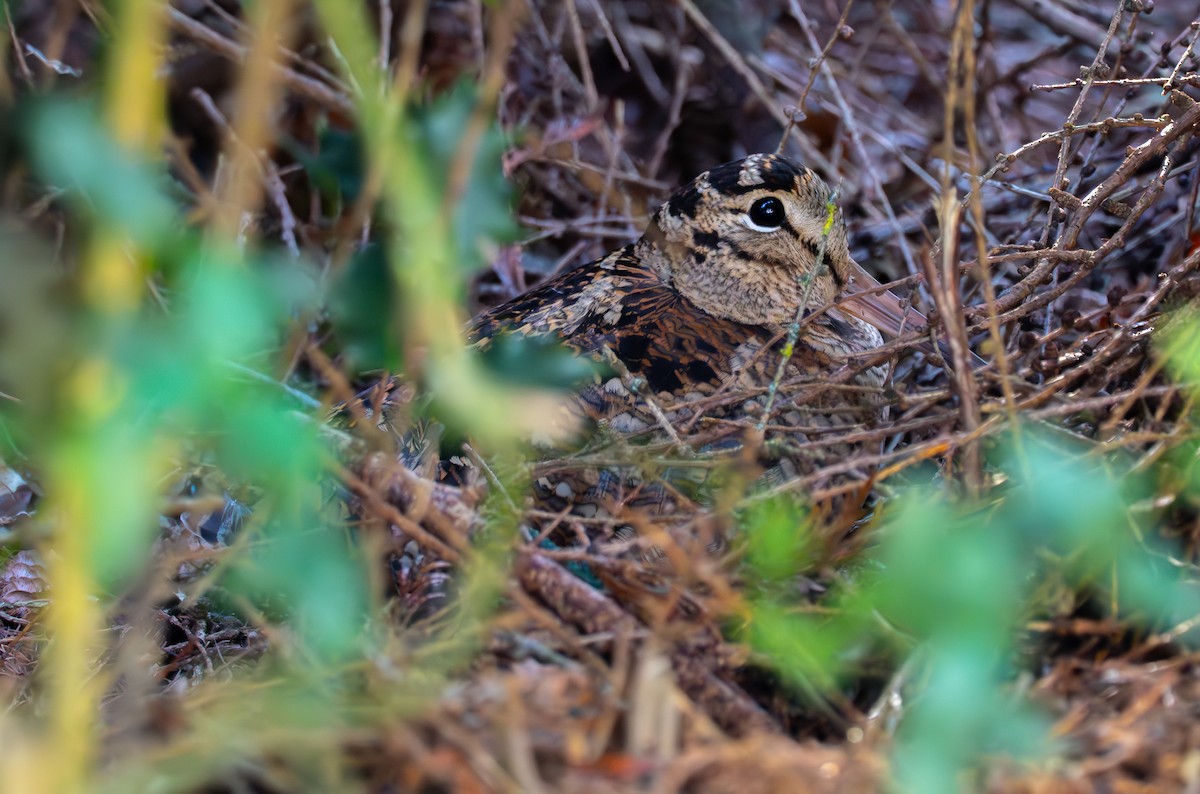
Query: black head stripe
[
  {"x": 758, "y": 172},
  {"x": 736, "y": 178}
]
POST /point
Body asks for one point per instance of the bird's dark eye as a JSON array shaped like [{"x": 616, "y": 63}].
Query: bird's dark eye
[{"x": 767, "y": 212}]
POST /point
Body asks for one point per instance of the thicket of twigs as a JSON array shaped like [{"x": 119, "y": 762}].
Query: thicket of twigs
[{"x": 222, "y": 221}]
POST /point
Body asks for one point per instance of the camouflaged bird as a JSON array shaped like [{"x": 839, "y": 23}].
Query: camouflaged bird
[{"x": 694, "y": 317}]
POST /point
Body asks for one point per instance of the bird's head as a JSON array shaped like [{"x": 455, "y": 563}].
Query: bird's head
[{"x": 753, "y": 239}]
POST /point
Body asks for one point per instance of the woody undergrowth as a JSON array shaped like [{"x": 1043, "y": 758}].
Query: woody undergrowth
[{"x": 165, "y": 367}]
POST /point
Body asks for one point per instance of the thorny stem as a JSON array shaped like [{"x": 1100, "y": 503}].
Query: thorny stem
[
  {"x": 943, "y": 281},
  {"x": 793, "y": 328}
]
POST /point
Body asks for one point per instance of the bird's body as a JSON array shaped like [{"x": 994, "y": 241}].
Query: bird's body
[{"x": 695, "y": 316}]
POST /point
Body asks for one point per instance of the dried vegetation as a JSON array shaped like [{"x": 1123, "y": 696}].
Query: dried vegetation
[{"x": 1026, "y": 171}]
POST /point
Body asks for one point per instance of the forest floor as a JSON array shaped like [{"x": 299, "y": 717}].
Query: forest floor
[{"x": 1039, "y": 640}]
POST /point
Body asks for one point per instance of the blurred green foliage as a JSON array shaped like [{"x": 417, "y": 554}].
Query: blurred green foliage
[
  {"x": 775, "y": 549},
  {"x": 1179, "y": 347},
  {"x": 367, "y": 292},
  {"x": 537, "y": 361},
  {"x": 337, "y": 166},
  {"x": 169, "y": 385},
  {"x": 173, "y": 378},
  {"x": 483, "y": 212},
  {"x": 953, "y": 584},
  {"x": 363, "y": 297},
  {"x": 74, "y": 151},
  {"x": 168, "y": 381}
]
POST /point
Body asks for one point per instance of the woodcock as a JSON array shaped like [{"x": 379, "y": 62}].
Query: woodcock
[{"x": 694, "y": 317}]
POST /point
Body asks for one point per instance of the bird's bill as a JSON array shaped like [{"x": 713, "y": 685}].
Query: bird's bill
[
  {"x": 891, "y": 315},
  {"x": 867, "y": 300}
]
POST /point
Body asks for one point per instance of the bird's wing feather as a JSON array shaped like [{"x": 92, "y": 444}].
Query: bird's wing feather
[{"x": 618, "y": 304}]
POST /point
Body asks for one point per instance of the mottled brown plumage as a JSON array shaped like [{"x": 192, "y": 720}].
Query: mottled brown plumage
[{"x": 697, "y": 311}]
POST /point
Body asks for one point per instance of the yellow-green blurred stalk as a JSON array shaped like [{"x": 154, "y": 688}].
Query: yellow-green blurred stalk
[
  {"x": 112, "y": 279},
  {"x": 423, "y": 248},
  {"x": 270, "y": 26},
  {"x": 420, "y": 203}
]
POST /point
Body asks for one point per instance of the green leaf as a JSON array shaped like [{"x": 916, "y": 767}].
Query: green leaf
[
  {"x": 483, "y": 215},
  {"x": 338, "y": 167},
  {"x": 779, "y": 543},
  {"x": 362, "y": 306},
  {"x": 317, "y": 576},
  {"x": 72, "y": 149},
  {"x": 537, "y": 361},
  {"x": 1179, "y": 344}
]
